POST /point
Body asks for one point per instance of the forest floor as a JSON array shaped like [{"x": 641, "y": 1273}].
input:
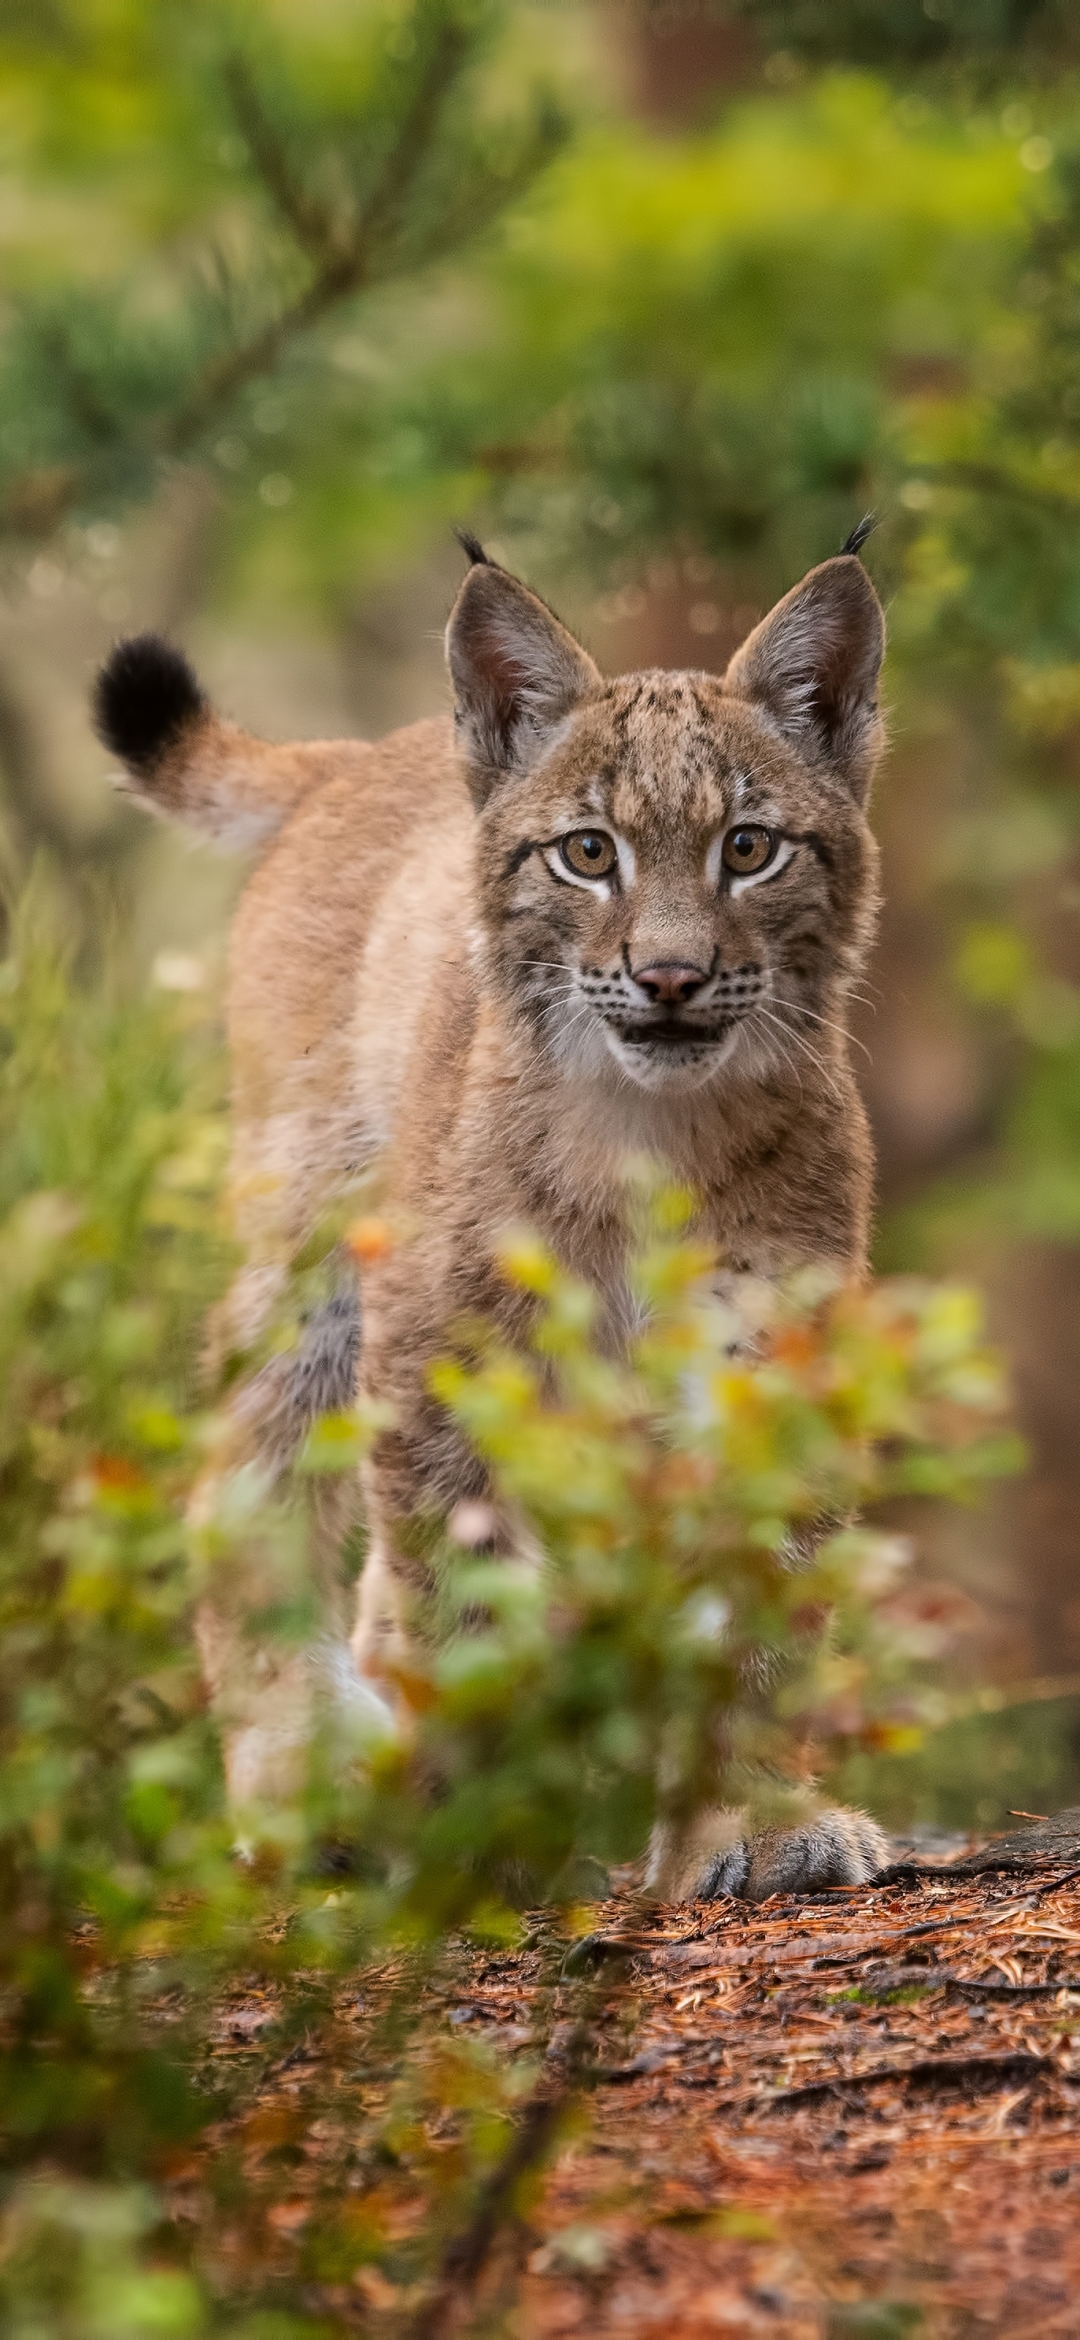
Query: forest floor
[
  {"x": 857, "y": 2113},
  {"x": 871, "y": 2100}
]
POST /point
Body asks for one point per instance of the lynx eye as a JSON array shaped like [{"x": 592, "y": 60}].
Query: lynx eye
[
  {"x": 748, "y": 849},
  {"x": 588, "y": 852}
]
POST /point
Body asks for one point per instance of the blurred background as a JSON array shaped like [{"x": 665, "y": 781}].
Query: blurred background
[{"x": 660, "y": 300}]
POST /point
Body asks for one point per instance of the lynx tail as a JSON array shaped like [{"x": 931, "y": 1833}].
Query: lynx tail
[
  {"x": 181, "y": 759},
  {"x": 145, "y": 699}
]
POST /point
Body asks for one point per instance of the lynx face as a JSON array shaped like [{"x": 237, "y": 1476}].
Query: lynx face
[
  {"x": 676, "y": 875},
  {"x": 672, "y": 890}
]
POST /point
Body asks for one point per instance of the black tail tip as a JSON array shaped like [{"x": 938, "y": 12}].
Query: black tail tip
[
  {"x": 145, "y": 695},
  {"x": 855, "y": 542},
  {"x": 473, "y": 549}
]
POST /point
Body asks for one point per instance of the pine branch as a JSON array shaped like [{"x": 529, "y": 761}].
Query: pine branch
[
  {"x": 346, "y": 258},
  {"x": 218, "y": 384},
  {"x": 446, "y": 61},
  {"x": 309, "y": 219},
  {"x": 490, "y": 191},
  {"x": 35, "y": 502},
  {"x": 344, "y": 266}
]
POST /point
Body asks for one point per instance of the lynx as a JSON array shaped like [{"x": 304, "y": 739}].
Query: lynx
[{"x": 586, "y": 919}]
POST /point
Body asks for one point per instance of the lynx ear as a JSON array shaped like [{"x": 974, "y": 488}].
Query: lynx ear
[
  {"x": 813, "y": 665},
  {"x": 516, "y": 672}
]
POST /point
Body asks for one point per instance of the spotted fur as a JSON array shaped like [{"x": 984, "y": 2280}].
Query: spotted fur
[
  {"x": 436, "y": 985},
  {"x": 672, "y": 760}
]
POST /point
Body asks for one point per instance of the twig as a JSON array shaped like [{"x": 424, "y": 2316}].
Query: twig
[
  {"x": 912, "y": 1872},
  {"x": 1003, "y": 1867},
  {"x": 448, "y": 55},
  {"x": 310, "y": 220},
  {"x": 220, "y": 381},
  {"x": 926, "y": 2068},
  {"x": 1006, "y": 1990},
  {"x": 881, "y": 1984},
  {"x": 918, "y": 1873},
  {"x": 1070, "y": 1878},
  {"x": 466, "y": 2253},
  {"x": 941, "y": 1925}
]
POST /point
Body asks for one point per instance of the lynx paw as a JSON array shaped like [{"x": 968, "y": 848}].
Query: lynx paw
[{"x": 836, "y": 1847}]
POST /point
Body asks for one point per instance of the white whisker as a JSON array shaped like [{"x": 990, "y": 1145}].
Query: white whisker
[
  {"x": 800, "y": 1041},
  {"x": 778, "y": 1049},
  {"x": 582, "y": 1014},
  {"x": 798, "y": 1008}
]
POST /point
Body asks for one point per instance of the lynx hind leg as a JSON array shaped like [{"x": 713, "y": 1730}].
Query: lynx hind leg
[{"x": 834, "y": 1847}]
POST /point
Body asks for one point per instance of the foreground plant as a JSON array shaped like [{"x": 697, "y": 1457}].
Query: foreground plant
[
  {"x": 568, "y": 1709},
  {"x": 678, "y": 1499}
]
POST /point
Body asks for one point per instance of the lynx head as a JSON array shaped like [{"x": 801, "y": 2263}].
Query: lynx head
[{"x": 676, "y": 875}]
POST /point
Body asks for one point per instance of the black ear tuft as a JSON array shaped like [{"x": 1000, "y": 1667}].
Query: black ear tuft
[
  {"x": 857, "y": 539},
  {"x": 145, "y": 696},
  {"x": 473, "y": 549}
]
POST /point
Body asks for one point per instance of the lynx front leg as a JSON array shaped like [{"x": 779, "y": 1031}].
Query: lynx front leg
[
  {"x": 406, "y": 1517},
  {"x": 380, "y": 1642}
]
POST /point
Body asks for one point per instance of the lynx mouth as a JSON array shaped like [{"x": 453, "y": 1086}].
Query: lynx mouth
[{"x": 670, "y": 1033}]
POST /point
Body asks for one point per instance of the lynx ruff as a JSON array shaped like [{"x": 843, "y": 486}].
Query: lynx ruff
[{"x": 589, "y": 919}]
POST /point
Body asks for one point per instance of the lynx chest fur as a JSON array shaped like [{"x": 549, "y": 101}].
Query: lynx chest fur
[{"x": 491, "y": 959}]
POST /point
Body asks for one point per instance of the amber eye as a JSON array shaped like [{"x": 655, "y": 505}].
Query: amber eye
[
  {"x": 588, "y": 852},
  {"x": 746, "y": 850}
]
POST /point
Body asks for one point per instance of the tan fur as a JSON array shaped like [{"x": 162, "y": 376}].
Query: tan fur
[{"x": 420, "y": 990}]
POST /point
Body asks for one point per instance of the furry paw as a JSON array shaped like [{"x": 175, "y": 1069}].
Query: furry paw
[{"x": 836, "y": 1847}]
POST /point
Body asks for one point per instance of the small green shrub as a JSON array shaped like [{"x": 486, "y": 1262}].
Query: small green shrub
[{"x": 663, "y": 1490}]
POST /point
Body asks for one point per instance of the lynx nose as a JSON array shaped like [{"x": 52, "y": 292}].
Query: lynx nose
[{"x": 669, "y": 982}]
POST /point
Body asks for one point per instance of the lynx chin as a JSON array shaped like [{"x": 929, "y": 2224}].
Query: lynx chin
[{"x": 493, "y": 957}]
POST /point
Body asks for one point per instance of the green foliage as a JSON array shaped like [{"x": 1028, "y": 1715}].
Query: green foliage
[
  {"x": 252, "y": 241},
  {"x": 110, "y": 1249},
  {"x": 71, "y": 2268},
  {"x": 665, "y": 1495},
  {"x": 249, "y": 175},
  {"x": 318, "y": 252},
  {"x": 561, "y": 1709},
  {"x": 880, "y": 2320},
  {"x": 914, "y": 33},
  {"x": 715, "y": 362},
  {"x": 974, "y": 1771}
]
